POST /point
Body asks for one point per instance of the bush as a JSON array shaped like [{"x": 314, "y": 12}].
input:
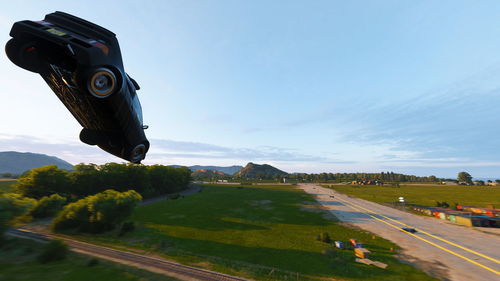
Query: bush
[
  {"x": 55, "y": 250},
  {"x": 442, "y": 204},
  {"x": 48, "y": 206},
  {"x": 93, "y": 262},
  {"x": 126, "y": 227},
  {"x": 174, "y": 196},
  {"x": 13, "y": 208},
  {"x": 97, "y": 213},
  {"x": 325, "y": 237}
]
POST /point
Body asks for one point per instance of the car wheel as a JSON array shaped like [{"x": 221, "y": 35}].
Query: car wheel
[
  {"x": 102, "y": 83},
  {"x": 138, "y": 153},
  {"x": 23, "y": 55}
]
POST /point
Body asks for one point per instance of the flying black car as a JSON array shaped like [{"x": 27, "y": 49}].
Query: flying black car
[{"x": 81, "y": 62}]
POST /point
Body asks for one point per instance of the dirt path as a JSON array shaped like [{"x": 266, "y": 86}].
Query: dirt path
[{"x": 446, "y": 251}]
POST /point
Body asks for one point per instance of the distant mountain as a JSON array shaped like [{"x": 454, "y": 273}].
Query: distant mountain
[
  {"x": 226, "y": 170},
  {"x": 18, "y": 162},
  {"x": 252, "y": 170},
  {"x": 205, "y": 173}
]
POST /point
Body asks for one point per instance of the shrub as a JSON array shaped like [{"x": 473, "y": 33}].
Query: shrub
[
  {"x": 325, "y": 237},
  {"x": 93, "y": 262},
  {"x": 55, "y": 250},
  {"x": 13, "y": 208},
  {"x": 48, "y": 206},
  {"x": 442, "y": 204},
  {"x": 174, "y": 196},
  {"x": 126, "y": 227},
  {"x": 97, "y": 213}
]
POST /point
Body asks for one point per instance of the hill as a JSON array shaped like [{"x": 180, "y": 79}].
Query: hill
[
  {"x": 205, "y": 173},
  {"x": 252, "y": 170},
  {"x": 18, "y": 162},
  {"x": 226, "y": 170}
]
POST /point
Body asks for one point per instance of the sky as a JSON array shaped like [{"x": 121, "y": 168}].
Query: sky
[{"x": 308, "y": 86}]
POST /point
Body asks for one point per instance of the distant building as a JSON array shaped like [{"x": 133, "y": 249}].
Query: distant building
[{"x": 448, "y": 183}]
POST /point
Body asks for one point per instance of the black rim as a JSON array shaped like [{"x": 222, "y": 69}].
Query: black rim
[
  {"x": 102, "y": 83},
  {"x": 138, "y": 153}
]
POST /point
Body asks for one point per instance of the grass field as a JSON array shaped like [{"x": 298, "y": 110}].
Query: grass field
[
  {"x": 426, "y": 194},
  {"x": 18, "y": 262},
  {"x": 260, "y": 232},
  {"x": 6, "y": 185}
]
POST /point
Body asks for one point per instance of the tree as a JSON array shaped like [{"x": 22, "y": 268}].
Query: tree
[
  {"x": 48, "y": 206},
  {"x": 97, "y": 213},
  {"x": 464, "y": 177},
  {"x": 43, "y": 181},
  {"x": 12, "y": 206},
  {"x": 55, "y": 250}
]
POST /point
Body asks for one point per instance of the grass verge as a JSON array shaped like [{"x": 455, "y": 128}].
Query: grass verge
[
  {"x": 426, "y": 194},
  {"x": 18, "y": 262}
]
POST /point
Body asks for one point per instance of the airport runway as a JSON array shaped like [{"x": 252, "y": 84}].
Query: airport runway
[{"x": 446, "y": 251}]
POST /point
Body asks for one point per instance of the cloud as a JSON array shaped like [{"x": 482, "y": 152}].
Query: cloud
[
  {"x": 170, "y": 148},
  {"x": 162, "y": 151}
]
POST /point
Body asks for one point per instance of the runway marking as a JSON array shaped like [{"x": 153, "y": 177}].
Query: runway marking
[
  {"x": 431, "y": 235},
  {"x": 423, "y": 239}
]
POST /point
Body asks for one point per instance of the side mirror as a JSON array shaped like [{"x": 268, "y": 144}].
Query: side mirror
[{"x": 144, "y": 127}]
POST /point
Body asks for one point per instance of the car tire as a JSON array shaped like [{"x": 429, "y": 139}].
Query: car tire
[
  {"x": 102, "y": 82},
  {"x": 138, "y": 153},
  {"x": 24, "y": 55}
]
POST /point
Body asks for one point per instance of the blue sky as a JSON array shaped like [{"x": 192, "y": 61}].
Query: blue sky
[{"x": 309, "y": 86}]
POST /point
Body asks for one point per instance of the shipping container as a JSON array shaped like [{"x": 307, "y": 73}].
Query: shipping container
[
  {"x": 463, "y": 220},
  {"x": 452, "y": 218}
]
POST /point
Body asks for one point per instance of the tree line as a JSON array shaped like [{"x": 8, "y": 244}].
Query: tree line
[
  {"x": 89, "y": 179},
  {"x": 334, "y": 177},
  {"x": 91, "y": 198},
  {"x": 345, "y": 177}
]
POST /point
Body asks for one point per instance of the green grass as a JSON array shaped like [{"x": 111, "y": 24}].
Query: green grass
[
  {"x": 18, "y": 262},
  {"x": 6, "y": 186},
  {"x": 426, "y": 194},
  {"x": 260, "y": 232}
]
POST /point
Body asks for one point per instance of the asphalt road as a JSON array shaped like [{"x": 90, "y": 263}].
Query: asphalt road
[{"x": 448, "y": 252}]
